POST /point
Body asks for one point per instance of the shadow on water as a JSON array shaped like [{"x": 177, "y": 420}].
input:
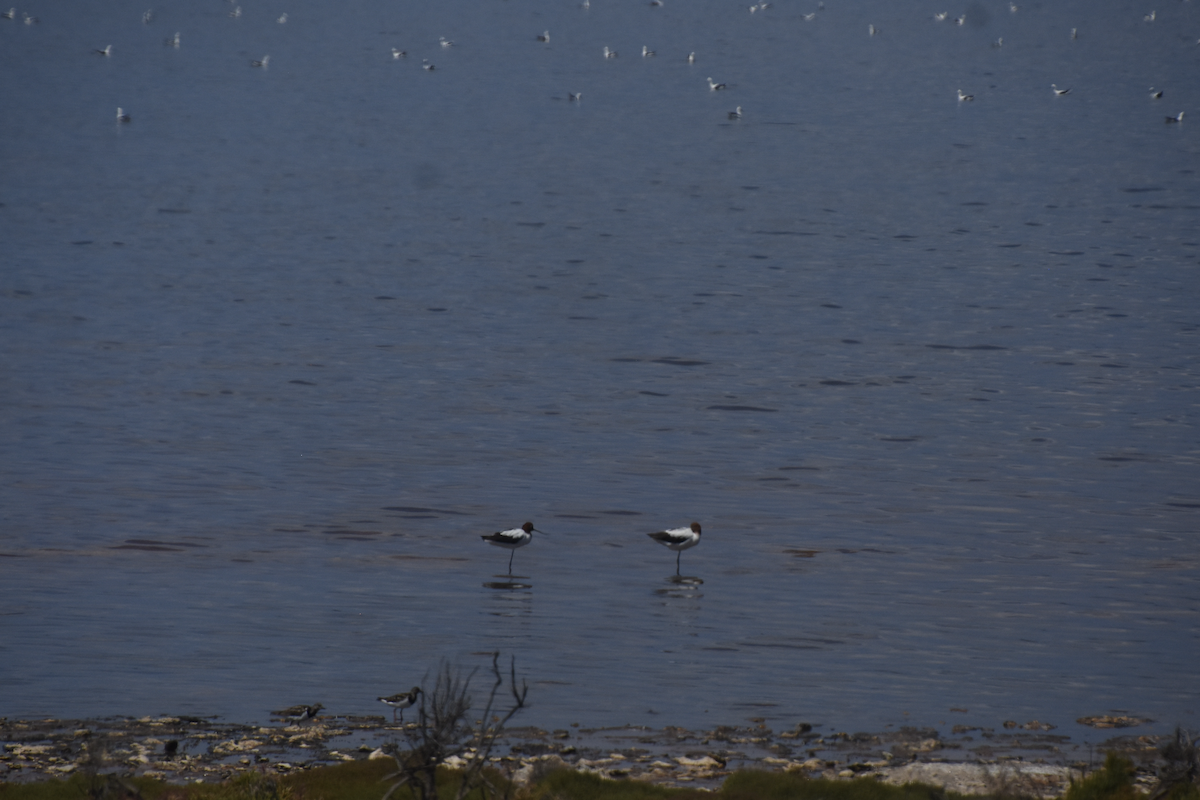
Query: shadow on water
[
  {"x": 512, "y": 583},
  {"x": 684, "y": 587}
]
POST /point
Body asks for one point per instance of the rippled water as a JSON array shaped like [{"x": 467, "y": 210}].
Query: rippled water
[{"x": 280, "y": 349}]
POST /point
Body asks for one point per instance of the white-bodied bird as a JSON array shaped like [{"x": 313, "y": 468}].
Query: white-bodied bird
[
  {"x": 678, "y": 539},
  {"x": 512, "y": 539}
]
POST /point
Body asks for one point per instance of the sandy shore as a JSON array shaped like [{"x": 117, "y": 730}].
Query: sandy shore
[{"x": 186, "y": 749}]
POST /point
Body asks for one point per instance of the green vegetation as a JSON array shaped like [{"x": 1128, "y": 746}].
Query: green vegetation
[
  {"x": 371, "y": 780},
  {"x": 1113, "y": 782},
  {"x": 753, "y": 785}
]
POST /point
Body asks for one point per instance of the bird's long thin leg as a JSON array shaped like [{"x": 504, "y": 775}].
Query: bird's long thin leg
[
  {"x": 678, "y": 553},
  {"x": 510, "y": 558}
]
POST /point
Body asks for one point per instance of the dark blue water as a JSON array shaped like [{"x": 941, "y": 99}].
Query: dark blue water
[{"x": 278, "y": 351}]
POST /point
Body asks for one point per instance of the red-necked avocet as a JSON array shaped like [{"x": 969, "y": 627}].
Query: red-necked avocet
[
  {"x": 678, "y": 539},
  {"x": 512, "y": 539}
]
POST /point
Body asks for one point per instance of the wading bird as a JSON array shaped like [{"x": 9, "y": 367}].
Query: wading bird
[
  {"x": 512, "y": 539},
  {"x": 401, "y": 701},
  {"x": 678, "y": 539}
]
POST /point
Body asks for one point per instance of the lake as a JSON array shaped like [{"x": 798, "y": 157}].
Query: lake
[{"x": 281, "y": 348}]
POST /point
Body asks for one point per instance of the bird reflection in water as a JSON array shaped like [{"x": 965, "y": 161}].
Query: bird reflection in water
[{"x": 508, "y": 585}]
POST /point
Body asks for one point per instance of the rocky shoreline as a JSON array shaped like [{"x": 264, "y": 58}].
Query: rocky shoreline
[{"x": 970, "y": 760}]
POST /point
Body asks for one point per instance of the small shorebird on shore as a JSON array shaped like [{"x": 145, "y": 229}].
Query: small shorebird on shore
[
  {"x": 512, "y": 539},
  {"x": 678, "y": 539},
  {"x": 401, "y": 701},
  {"x": 1059, "y": 92},
  {"x": 299, "y": 713}
]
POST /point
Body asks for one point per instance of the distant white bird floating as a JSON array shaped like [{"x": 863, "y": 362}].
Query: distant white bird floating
[
  {"x": 1177, "y": 118},
  {"x": 692, "y": 57},
  {"x": 1157, "y": 95},
  {"x": 998, "y": 43},
  {"x": 1074, "y": 34},
  {"x": 1059, "y": 92},
  {"x": 425, "y": 65},
  {"x": 647, "y": 52},
  {"x": 809, "y": 17},
  {"x": 148, "y": 16},
  {"x": 10, "y": 14},
  {"x": 237, "y": 12},
  {"x": 172, "y": 41},
  {"x": 736, "y": 113},
  {"x": 609, "y": 53},
  {"x": 398, "y": 54},
  {"x": 1013, "y": 8},
  {"x": 942, "y": 16},
  {"x": 714, "y": 87},
  {"x": 544, "y": 36},
  {"x": 1150, "y": 17},
  {"x": 30, "y": 20},
  {"x": 262, "y": 64},
  {"x": 965, "y": 98},
  {"x": 574, "y": 97},
  {"x": 872, "y": 30},
  {"x": 107, "y": 51},
  {"x": 122, "y": 116},
  {"x": 445, "y": 42},
  {"x": 282, "y": 18}
]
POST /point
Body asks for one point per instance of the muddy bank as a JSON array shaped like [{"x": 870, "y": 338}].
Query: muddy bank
[{"x": 185, "y": 749}]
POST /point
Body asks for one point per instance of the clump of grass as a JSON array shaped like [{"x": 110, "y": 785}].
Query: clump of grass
[
  {"x": 1114, "y": 781},
  {"x": 567, "y": 783},
  {"x": 1008, "y": 784},
  {"x": 759, "y": 785}
]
